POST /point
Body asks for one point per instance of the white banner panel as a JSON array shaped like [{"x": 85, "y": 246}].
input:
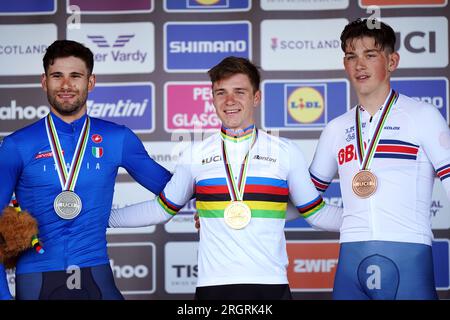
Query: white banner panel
[
  {"x": 23, "y": 46},
  {"x": 302, "y": 44}
]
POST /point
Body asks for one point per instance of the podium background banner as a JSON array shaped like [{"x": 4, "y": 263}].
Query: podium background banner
[{"x": 151, "y": 58}]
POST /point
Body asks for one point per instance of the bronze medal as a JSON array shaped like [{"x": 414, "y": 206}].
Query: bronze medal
[
  {"x": 364, "y": 184},
  {"x": 237, "y": 215}
]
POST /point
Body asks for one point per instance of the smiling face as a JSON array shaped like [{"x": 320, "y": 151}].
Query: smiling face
[
  {"x": 67, "y": 83},
  {"x": 369, "y": 68},
  {"x": 235, "y": 101}
]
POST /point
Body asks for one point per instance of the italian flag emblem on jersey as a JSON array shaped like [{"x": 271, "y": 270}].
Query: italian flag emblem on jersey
[{"x": 97, "y": 152}]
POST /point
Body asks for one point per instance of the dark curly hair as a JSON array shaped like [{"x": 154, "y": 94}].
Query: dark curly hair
[
  {"x": 68, "y": 48},
  {"x": 383, "y": 34}
]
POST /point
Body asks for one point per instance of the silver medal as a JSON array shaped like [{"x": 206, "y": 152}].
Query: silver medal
[{"x": 67, "y": 205}]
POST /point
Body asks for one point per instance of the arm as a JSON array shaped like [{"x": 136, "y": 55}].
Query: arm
[
  {"x": 10, "y": 170},
  {"x": 434, "y": 136},
  {"x": 140, "y": 166},
  {"x": 323, "y": 167},
  {"x": 292, "y": 212},
  {"x": 141, "y": 214},
  {"x": 165, "y": 206},
  {"x": 306, "y": 198}
]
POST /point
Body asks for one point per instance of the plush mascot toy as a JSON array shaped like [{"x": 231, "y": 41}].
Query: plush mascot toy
[{"x": 18, "y": 232}]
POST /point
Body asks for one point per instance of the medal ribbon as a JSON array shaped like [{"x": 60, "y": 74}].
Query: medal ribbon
[
  {"x": 237, "y": 191},
  {"x": 69, "y": 179},
  {"x": 365, "y": 158}
]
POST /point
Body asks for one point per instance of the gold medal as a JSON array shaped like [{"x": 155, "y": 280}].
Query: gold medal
[
  {"x": 364, "y": 184},
  {"x": 237, "y": 215}
]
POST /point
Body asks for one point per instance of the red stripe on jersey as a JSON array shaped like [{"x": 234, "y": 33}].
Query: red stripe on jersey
[
  {"x": 211, "y": 189},
  {"x": 319, "y": 185},
  {"x": 397, "y": 149},
  {"x": 443, "y": 172},
  {"x": 255, "y": 188},
  {"x": 312, "y": 205},
  {"x": 249, "y": 188}
]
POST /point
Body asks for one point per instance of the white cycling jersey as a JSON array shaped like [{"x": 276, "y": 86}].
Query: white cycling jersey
[
  {"x": 276, "y": 172},
  {"x": 414, "y": 145}
]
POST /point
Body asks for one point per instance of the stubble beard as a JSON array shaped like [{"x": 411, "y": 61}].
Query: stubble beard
[{"x": 66, "y": 109}]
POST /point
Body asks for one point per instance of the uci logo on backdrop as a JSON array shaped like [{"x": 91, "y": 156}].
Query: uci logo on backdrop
[{"x": 422, "y": 42}]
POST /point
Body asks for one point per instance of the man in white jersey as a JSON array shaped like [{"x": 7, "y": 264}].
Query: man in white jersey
[
  {"x": 387, "y": 150},
  {"x": 242, "y": 179}
]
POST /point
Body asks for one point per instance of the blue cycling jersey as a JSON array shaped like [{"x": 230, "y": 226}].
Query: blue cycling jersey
[{"x": 28, "y": 169}]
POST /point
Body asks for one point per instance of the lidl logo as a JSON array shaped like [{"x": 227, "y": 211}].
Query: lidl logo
[
  {"x": 206, "y": 2},
  {"x": 303, "y": 105},
  {"x": 206, "y": 5}
]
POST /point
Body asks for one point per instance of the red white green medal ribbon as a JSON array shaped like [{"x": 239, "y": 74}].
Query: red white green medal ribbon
[
  {"x": 67, "y": 179},
  {"x": 237, "y": 190},
  {"x": 365, "y": 157}
]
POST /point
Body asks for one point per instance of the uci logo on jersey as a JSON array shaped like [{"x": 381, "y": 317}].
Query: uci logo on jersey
[{"x": 211, "y": 159}]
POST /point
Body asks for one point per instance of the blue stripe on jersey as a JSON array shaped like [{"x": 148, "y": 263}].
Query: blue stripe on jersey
[
  {"x": 267, "y": 182},
  {"x": 397, "y": 142},
  {"x": 250, "y": 180},
  {"x": 212, "y": 182},
  {"x": 443, "y": 172},
  {"x": 395, "y": 156},
  {"x": 320, "y": 184}
]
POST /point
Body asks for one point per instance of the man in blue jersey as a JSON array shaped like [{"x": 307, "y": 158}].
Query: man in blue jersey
[{"x": 62, "y": 170}]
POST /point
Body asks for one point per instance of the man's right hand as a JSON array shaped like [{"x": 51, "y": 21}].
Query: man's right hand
[{"x": 197, "y": 221}]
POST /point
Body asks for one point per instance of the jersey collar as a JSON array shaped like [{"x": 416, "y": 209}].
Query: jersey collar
[
  {"x": 236, "y": 135},
  {"x": 62, "y": 126}
]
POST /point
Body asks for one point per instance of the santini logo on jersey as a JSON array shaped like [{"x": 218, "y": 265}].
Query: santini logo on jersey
[{"x": 264, "y": 158}]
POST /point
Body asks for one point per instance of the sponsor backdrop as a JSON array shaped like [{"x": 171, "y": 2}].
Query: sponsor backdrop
[{"x": 150, "y": 60}]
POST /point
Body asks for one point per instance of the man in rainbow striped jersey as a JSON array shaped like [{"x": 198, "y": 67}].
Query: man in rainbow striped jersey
[{"x": 242, "y": 179}]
